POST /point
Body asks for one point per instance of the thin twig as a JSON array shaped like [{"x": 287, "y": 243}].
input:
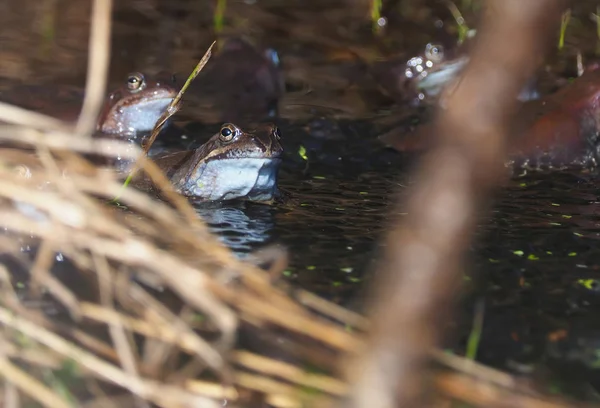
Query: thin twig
[
  {"x": 123, "y": 347},
  {"x": 481, "y": 393},
  {"x": 59, "y": 139},
  {"x": 98, "y": 60},
  {"x": 23, "y": 117}
]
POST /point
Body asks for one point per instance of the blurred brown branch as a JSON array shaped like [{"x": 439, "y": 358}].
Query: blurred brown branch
[
  {"x": 97, "y": 70},
  {"x": 421, "y": 267}
]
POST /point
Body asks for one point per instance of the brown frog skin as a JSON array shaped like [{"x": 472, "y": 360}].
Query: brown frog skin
[
  {"x": 559, "y": 131},
  {"x": 421, "y": 76},
  {"x": 241, "y": 83},
  {"x": 134, "y": 107},
  {"x": 233, "y": 164}
]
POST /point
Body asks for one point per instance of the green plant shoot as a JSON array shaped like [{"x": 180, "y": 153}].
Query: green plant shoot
[
  {"x": 596, "y": 18},
  {"x": 376, "y": 15},
  {"x": 218, "y": 17},
  {"x": 463, "y": 28},
  {"x": 564, "y": 23},
  {"x": 475, "y": 335}
]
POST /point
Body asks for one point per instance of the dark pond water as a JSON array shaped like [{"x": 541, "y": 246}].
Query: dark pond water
[
  {"x": 536, "y": 259},
  {"x": 536, "y": 262},
  {"x": 336, "y": 195}
]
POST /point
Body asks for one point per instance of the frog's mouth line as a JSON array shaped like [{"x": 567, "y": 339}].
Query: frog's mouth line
[
  {"x": 224, "y": 157},
  {"x": 246, "y": 158}
]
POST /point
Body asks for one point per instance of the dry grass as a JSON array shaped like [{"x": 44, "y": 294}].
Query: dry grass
[
  {"x": 166, "y": 245},
  {"x": 121, "y": 332},
  {"x": 153, "y": 242}
]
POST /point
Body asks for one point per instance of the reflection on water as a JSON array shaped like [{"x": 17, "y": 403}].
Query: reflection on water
[{"x": 241, "y": 226}]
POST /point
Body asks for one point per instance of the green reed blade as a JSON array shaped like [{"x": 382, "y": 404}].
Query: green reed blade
[
  {"x": 218, "y": 17},
  {"x": 376, "y": 14},
  {"x": 463, "y": 28},
  {"x": 564, "y": 23},
  {"x": 475, "y": 335},
  {"x": 596, "y": 18}
]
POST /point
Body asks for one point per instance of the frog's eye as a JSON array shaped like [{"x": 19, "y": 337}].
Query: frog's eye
[
  {"x": 227, "y": 133},
  {"x": 277, "y": 133},
  {"x": 135, "y": 81},
  {"x": 434, "y": 52}
]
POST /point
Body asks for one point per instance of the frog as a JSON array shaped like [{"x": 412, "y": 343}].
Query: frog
[
  {"x": 560, "y": 130},
  {"x": 430, "y": 71},
  {"x": 133, "y": 107},
  {"x": 234, "y": 164},
  {"x": 137, "y": 105},
  {"x": 557, "y": 131},
  {"x": 242, "y": 83},
  {"x": 419, "y": 78}
]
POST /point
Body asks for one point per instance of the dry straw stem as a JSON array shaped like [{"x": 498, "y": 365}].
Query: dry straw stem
[
  {"x": 277, "y": 394},
  {"x": 40, "y": 276},
  {"x": 479, "y": 392},
  {"x": 144, "y": 388},
  {"x": 290, "y": 373},
  {"x": 62, "y": 140},
  {"x": 332, "y": 310},
  {"x": 189, "y": 342},
  {"x": 22, "y": 117},
  {"x": 123, "y": 347},
  {"x": 98, "y": 60}
]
